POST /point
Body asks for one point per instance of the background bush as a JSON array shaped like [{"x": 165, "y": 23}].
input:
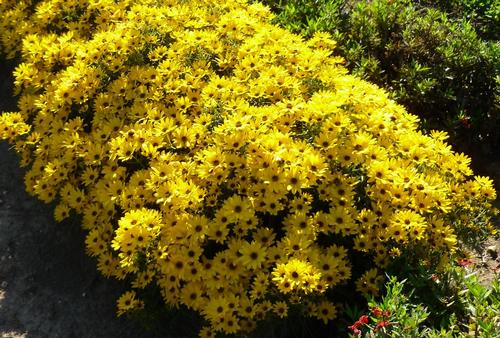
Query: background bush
[
  {"x": 483, "y": 14},
  {"x": 425, "y": 54}
]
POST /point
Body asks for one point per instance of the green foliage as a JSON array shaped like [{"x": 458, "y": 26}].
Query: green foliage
[
  {"x": 402, "y": 317},
  {"x": 306, "y": 16},
  {"x": 484, "y": 14},
  {"x": 400, "y": 314},
  {"x": 429, "y": 57},
  {"x": 438, "y": 290},
  {"x": 482, "y": 304}
]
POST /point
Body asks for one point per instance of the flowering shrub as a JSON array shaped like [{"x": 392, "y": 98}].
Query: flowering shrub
[{"x": 225, "y": 160}]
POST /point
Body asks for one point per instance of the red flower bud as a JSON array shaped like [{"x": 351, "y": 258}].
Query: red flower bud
[
  {"x": 353, "y": 327},
  {"x": 377, "y": 312},
  {"x": 465, "y": 262},
  {"x": 381, "y": 324},
  {"x": 363, "y": 319}
]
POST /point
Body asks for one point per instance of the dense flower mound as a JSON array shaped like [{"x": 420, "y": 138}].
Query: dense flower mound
[{"x": 229, "y": 162}]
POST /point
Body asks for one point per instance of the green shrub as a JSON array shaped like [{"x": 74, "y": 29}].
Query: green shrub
[
  {"x": 392, "y": 315},
  {"x": 471, "y": 309},
  {"x": 484, "y": 14},
  {"x": 307, "y": 17}
]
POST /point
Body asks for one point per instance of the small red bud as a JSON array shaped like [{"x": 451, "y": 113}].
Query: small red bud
[
  {"x": 377, "y": 312},
  {"x": 364, "y": 319}
]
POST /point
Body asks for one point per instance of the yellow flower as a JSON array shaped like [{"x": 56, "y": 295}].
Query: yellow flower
[
  {"x": 296, "y": 275},
  {"x": 325, "y": 311},
  {"x": 207, "y": 332},
  {"x": 322, "y": 40},
  {"x": 369, "y": 282},
  {"x": 216, "y": 307},
  {"x": 363, "y": 243},
  {"x": 192, "y": 295},
  {"x": 25, "y": 74},
  {"x": 484, "y": 187},
  {"x": 95, "y": 244},
  {"x": 107, "y": 264},
  {"x": 236, "y": 209},
  {"x": 408, "y": 223},
  {"x": 61, "y": 212},
  {"x": 281, "y": 309},
  {"x": 252, "y": 255},
  {"x": 314, "y": 165},
  {"x": 128, "y": 302}
]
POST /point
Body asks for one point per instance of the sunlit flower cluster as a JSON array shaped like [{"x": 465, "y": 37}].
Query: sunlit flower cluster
[{"x": 234, "y": 165}]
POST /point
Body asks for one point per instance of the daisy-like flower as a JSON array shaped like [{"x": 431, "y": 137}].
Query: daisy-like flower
[
  {"x": 325, "y": 311},
  {"x": 237, "y": 208},
  {"x": 369, "y": 282},
  {"x": 128, "y": 302},
  {"x": 281, "y": 309},
  {"x": 252, "y": 255},
  {"x": 296, "y": 275}
]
